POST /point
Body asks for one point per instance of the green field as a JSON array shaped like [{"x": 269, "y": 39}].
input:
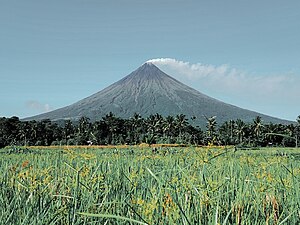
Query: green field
[{"x": 133, "y": 185}]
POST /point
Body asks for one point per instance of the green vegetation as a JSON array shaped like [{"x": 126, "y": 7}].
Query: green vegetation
[
  {"x": 112, "y": 130},
  {"x": 134, "y": 185}
]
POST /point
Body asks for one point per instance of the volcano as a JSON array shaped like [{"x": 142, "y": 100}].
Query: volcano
[{"x": 146, "y": 91}]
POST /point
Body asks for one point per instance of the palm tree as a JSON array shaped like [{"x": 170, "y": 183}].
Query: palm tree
[
  {"x": 99, "y": 132},
  {"x": 257, "y": 129},
  {"x": 211, "y": 126},
  {"x": 24, "y": 131},
  {"x": 83, "y": 130},
  {"x": 48, "y": 132},
  {"x": 269, "y": 138},
  {"x": 154, "y": 124},
  {"x": 111, "y": 122},
  {"x": 169, "y": 126},
  {"x": 290, "y": 138},
  {"x": 226, "y": 132},
  {"x": 240, "y": 127},
  {"x": 68, "y": 130},
  {"x": 181, "y": 123},
  {"x": 135, "y": 128}
]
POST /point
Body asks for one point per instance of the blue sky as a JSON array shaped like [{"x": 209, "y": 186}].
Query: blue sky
[{"x": 54, "y": 53}]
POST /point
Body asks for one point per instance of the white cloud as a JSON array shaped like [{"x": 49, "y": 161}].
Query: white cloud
[
  {"x": 37, "y": 106},
  {"x": 253, "y": 91}
]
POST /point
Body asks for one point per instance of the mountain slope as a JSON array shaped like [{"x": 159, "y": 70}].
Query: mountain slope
[{"x": 147, "y": 91}]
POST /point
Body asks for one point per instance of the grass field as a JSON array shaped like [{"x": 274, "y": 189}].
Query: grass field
[{"x": 133, "y": 185}]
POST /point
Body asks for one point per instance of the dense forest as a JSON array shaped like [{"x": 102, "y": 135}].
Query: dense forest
[{"x": 153, "y": 129}]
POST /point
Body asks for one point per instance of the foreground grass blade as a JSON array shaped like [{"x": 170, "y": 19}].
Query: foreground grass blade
[
  {"x": 153, "y": 175},
  {"x": 285, "y": 219},
  {"x": 227, "y": 216},
  {"x": 111, "y": 217},
  {"x": 216, "y": 216}
]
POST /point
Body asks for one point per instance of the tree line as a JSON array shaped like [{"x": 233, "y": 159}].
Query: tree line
[{"x": 152, "y": 129}]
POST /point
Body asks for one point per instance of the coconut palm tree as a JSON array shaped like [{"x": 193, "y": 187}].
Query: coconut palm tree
[
  {"x": 226, "y": 132},
  {"x": 68, "y": 130},
  {"x": 240, "y": 130},
  {"x": 211, "y": 128},
  {"x": 154, "y": 127},
  {"x": 181, "y": 122},
  {"x": 169, "y": 128},
  {"x": 114, "y": 127},
  {"x": 257, "y": 129},
  {"x": 135, "y": 128},
  {"x": 83, "y": 130}
]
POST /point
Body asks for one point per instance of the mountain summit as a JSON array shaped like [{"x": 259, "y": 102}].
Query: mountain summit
[{"x": 148, "y": 90}]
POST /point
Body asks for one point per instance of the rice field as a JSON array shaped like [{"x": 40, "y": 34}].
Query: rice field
[{"x": 134, "y": 185}]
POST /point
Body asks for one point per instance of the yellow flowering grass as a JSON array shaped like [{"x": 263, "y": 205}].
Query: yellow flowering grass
[{"x": 134, "y": 185}]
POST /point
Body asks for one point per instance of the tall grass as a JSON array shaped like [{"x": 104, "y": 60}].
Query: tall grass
[{"x": 135, "y": 186}]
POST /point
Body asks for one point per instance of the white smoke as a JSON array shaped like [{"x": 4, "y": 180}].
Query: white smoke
[
  {"x": 252, "y": 91},
  {"x": 193, "y": 71}
]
